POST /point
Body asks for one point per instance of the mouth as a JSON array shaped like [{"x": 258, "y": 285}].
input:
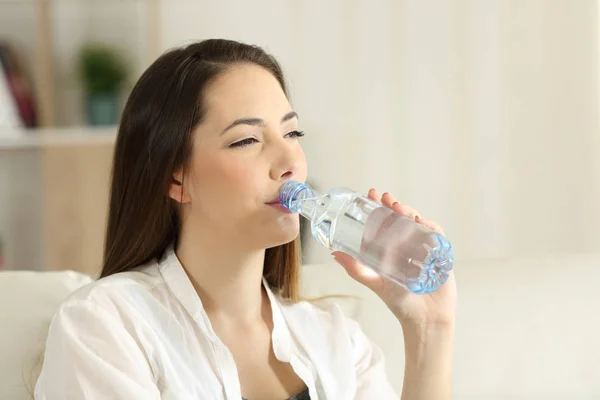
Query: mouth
[{"x": 277, "y": 205}]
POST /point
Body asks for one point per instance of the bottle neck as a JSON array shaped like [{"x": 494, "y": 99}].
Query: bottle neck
[
  {"x": 293, "y": 194},
  {"x": 306, "y": 206}
]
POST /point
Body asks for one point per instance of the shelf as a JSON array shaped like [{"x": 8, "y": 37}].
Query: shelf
[
  {"x": 16, "y": 139},
  {"x": 46, "y": 18}
]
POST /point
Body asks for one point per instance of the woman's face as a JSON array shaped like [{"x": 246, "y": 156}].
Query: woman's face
[{"x": 243, "y": 152}]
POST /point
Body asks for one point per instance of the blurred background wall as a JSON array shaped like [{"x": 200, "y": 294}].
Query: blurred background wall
[{"x": 481, "y": 114}]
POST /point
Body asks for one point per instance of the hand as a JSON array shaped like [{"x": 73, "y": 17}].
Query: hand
[{"x": 417, "y": 311}]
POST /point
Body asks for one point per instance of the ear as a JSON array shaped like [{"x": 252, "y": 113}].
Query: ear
[{"x": 177, "y": 189}]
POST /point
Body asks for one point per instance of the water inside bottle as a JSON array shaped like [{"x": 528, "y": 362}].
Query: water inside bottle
[
  {"x": 394, "y": 246},
  {"x": 339, "y": 220},
  {"x": 405, "y": 252}
]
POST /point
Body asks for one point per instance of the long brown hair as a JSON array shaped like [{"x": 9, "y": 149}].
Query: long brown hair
[{"x": 155, "y": 140}]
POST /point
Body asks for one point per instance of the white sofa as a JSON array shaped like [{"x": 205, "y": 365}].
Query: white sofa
[
  {"x": 28, "y": 300},
  {"x": 527, "y": 329}
]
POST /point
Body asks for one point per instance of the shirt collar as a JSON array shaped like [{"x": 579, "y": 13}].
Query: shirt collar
[
  {"x": 183, "y": 290},
  {"x": 282, "y": 341}
]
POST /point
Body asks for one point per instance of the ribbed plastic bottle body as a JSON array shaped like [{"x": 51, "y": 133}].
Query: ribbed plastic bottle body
[{"x": 394, "y": 246}]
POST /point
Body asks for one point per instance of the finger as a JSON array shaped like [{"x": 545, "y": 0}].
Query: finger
[
  {"x": 373, "y": 195},
  {"x": 356, "y": 270},
  {"x": 406, "y": 210},
  {"x": 434, "y": 226},
  {"x": 388, "y": 200}
]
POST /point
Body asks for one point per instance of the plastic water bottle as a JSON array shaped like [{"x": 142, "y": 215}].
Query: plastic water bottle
[{"x": 396, "y": 247}]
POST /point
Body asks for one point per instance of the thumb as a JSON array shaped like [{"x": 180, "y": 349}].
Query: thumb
[{"x": 357, "y": 271}]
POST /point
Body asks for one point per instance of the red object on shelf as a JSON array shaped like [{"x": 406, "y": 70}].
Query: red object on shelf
[{"x": 19, "y": 84}]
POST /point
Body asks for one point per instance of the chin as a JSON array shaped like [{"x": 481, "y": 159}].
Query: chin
[
  {"x": 270, "y": 232},
  {"x": 278, "y": 244},
  {"x": 282, "y": 235},
  {"x": 284, "y": 238}
]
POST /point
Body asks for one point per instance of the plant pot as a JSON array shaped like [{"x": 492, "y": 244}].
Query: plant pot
[{"x": 102, "y": 109}]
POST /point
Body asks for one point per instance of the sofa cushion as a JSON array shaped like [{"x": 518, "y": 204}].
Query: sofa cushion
[
  {"x": 28, "y": 300},
  {"x": 526, "y": 327}
]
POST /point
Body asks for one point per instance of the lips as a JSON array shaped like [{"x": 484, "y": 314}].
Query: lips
[{"x": 274, "y": 201}]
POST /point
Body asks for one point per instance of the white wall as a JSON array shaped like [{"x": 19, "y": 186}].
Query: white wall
[{"x": 483, "y": 115}]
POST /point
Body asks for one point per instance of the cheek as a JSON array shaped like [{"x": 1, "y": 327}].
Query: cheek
[
  {"x": 236, "y": 176},
  {"x": 222, "y": 177}
]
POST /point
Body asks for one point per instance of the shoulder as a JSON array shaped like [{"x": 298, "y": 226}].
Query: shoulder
[{"x": 117, "y": 293}]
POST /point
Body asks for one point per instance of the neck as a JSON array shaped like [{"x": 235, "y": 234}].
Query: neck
[{"x": 227, "y": 280}]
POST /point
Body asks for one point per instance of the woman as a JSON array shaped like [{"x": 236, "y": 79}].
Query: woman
[{"x": 198, "y": 296}]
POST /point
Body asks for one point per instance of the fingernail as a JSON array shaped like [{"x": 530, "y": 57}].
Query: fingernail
[{"x": 394, "y": 203}]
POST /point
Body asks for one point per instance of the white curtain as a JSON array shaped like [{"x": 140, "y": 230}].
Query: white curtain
[{"x": 481, "y": 114}]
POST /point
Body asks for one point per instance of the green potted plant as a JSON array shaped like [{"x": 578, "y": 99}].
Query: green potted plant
[{"x": 103, "y": 71}]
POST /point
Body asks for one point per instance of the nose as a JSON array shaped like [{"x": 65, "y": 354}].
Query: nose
[{"x": 288, "y": 159}]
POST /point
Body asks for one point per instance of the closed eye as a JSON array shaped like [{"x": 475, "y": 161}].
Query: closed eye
[
  {"x": 251, "y": 140},
  {"x": 295, "y": 134},
  {"x": 244, "y": 142}
]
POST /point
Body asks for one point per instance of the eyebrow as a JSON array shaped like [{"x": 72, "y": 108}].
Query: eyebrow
[{"x": 258, "y": 121}]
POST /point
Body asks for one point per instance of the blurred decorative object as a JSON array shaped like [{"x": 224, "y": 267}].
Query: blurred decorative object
[
  {"x": 9, "y": 117},
  {"x": 104, "y": 71},
  {"x": 17, "y": 105}
]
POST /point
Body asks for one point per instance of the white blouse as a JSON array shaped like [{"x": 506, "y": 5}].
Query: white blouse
[{"x": 144, "y": 334}]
